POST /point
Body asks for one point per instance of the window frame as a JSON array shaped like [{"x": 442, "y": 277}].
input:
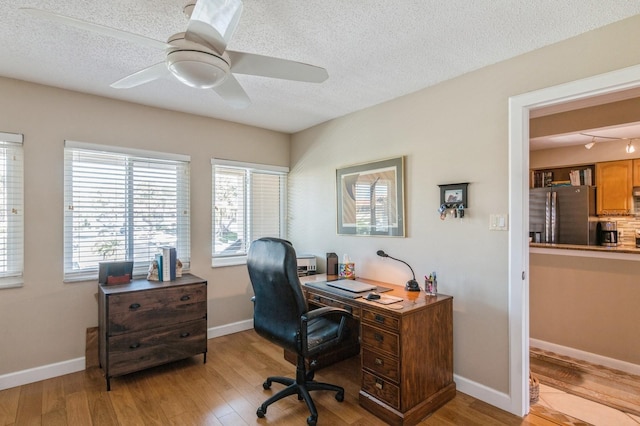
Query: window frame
[
  {"x": 14, "y": 202},
  {"x": 249, "y": 168},
  {"x": 134, "y": 155}
]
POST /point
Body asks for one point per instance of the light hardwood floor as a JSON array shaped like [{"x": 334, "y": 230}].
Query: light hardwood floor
[{"x": 225, "y": 391}]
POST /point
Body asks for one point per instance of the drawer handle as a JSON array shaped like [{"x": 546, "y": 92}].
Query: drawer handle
[
  {"x": 378, "y": 361},
  {"x": 379, "y": 318},
  {"x": 184, "y": 334},
  {"x": 185, "y": 298},
  {"x": 316, "y": 298},
  {"x": 134, "y": 345},
  {"x": 134, "y": 306},
  {"x": 379, "y": 384},
  {"x": 379, "y": 337}
]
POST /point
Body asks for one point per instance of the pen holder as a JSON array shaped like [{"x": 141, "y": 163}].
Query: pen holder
[{"x": 431, "y": 286}]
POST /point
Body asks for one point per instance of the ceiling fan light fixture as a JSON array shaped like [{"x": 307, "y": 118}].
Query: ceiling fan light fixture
[
  {"x": 589, "y": 145},
  {"x": 197, "y": 69}
]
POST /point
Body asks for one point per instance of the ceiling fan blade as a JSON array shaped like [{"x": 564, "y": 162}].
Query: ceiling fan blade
[
  {"x": 213, "y": 22},
  {"x": 232, "y": 93},
  {"x": 143, "y": 76},
  {"x": 267, "y": 66},
  {"x": 96, "y": 28}
]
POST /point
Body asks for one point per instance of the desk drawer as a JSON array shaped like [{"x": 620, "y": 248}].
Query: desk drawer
[
  {"x": 381, "y": 340},
  {"x": 386, "y": 367},
  {"x": 320, "y": 300},
  {"x": 381, "y": 389},
  {"x": 381, "y": 319}
]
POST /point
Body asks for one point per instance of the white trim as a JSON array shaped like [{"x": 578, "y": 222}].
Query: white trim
[
  {"x": 11, "y": 137},
  {"x": 616, "y": 364},
  {"x": 482, "y": 392},
  {"x": 226, "y": 329},
  {"x": 254, "y": 166},
  {"x": 44, "y": 372},
  {"x": 127, "y": 151},
  {"x": 224, "y": 261},
  {"x": 519, "y": 107}
]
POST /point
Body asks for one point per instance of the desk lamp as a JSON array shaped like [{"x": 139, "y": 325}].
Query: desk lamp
[{"x": 412, "y": 284}]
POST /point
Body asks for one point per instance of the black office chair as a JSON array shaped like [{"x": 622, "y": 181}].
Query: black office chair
[{"x": 281, "y": 315}]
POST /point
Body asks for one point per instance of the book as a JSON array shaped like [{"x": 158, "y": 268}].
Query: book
[
  {"x": 159, "y": 262},
  {"x": 169, "y": 263}
]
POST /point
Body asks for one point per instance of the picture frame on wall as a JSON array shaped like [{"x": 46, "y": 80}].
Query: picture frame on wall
[
  {"x": 370, "y": 198},
  {"x": 454, "y": 195}
]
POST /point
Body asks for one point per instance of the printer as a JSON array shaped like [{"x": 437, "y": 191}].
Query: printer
[{"x": 306, "y": 264}]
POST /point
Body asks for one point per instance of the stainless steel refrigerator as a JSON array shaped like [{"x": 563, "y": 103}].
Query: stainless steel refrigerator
[{"x": 560, "y": 215}]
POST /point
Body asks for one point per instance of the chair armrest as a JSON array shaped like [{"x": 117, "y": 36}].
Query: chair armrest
[
  {"x": 322, "y": 328},
  {"x": 325, "y": 311}
]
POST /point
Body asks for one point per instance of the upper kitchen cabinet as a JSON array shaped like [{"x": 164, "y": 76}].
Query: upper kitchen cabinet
[
  {"x": 614, "y": 180},
  {"x": 636, "y": 172}
]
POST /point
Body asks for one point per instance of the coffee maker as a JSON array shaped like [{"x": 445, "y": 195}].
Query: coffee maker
[{"x": 608, "y": 233}]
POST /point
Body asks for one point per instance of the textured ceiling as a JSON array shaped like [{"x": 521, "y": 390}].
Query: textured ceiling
[{"x": 374, "y": 50}]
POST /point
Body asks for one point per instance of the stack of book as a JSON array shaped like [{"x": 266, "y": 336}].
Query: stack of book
[
  {"x": 581, "y": 177},
  {"x": 166, "y": 260},
  {"x": 541, "y": 179}
]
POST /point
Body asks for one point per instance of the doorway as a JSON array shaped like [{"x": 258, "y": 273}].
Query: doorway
[{"x": 519, "y": 109}]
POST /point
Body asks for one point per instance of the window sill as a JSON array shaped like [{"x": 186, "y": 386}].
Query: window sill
[{"x": 221, "y": 262}]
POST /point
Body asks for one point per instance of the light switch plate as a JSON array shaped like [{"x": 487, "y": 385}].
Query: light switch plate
[{"x": 498, "y": 222}]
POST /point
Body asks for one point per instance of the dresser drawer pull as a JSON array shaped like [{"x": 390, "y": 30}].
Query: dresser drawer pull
[
  {"x": 134, "y": 345},
  {"x": 379, "y": 384},
  {"x": 379, "y": 318},
  {"x": 379, "y": 337},
  {"x": 184, "y": 334},
  {"x": 378, "y": 361},
  {"x": 134, "y": 306},
  {"x": 185, "y": 298},
  {"x": 316, "y": 298}
]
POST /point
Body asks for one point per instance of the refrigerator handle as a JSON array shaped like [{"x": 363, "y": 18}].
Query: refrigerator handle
[
  {"x": 554, "y": 217},
  {"x": 547, "y": 218}
]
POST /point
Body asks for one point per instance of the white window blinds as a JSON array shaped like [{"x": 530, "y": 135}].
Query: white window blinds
[
  {"x": 249, "y": 202},
  {"x": 123, "y": 205},
  {"x": 11, "y": 210}
]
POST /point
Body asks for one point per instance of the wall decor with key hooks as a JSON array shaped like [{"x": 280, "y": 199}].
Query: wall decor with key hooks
[{"x": 453, "y": 200}]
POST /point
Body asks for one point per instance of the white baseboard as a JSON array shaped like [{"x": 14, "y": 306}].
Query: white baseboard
[
  {"x": 483, "y": 393},
  {"x": 616, "y": 364},
  {"x": 44, "y": 372},
  {"x": 49, "y": 371}
]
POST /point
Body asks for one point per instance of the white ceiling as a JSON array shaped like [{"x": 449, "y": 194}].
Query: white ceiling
[{"x": 374, "y": 50}]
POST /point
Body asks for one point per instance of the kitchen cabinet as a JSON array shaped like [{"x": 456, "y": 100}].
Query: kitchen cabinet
[
  {"x": 614, "y": 180},
  {"x": 636, "y": 172}
]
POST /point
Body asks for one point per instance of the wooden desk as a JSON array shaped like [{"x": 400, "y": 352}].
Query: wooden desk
[{"x": 407, "y": 350}]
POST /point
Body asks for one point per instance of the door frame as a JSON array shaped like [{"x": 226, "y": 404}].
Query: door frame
[{"x": 519, "y": 107}]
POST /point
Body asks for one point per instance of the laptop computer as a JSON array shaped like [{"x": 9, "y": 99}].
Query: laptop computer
[{"x": 351, "y": 285}]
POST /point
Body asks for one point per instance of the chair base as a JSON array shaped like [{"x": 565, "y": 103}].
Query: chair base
[{"x": 301, "y": 386}]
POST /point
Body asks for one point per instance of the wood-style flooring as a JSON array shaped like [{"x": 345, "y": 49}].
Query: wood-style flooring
[
  {"x": 606, "y": 386},
  {"x": 225, "y": 391}
]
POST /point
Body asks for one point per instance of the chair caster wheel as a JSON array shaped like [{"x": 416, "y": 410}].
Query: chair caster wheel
[
  {"x": 311, "y": 420},
  {"x": 261, "y": 412},
  {"x": 266, "y": 385},
  {"x": 340, "y": 396}
]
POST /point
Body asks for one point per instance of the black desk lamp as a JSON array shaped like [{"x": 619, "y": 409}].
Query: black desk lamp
[{"x": 412, "y": 285}]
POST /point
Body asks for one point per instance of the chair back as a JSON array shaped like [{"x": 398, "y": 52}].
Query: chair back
[{"x": 279, "y": 301}]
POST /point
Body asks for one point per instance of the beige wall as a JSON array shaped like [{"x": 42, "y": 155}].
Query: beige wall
[
  {"x": 454, "y": 132},
  {"x": 586, "y": 304},
  {"x": 44, "y": 322}
]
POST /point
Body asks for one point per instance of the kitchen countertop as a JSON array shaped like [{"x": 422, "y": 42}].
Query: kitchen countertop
[{"x": 625, "y": 252}]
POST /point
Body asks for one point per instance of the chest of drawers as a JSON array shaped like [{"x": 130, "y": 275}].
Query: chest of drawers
[{"x": 144, "y": 324}]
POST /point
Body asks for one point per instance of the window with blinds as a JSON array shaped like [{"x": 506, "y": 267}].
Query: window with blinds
[
  {"x": 11, "y": 210},
  {"x": 249, "y": 202},
  {"x": 123, "y": 204}
]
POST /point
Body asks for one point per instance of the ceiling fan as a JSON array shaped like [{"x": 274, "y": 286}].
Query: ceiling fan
[{"x": 199, "y": 57}]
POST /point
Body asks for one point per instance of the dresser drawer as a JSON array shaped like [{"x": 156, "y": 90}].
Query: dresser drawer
[
  {"x": 135, "y": 351},
  {"x": 381, "y": 389},
  {"x": 381, "y": 319},
  {"x": 142, "y": 310},
  {"x": 320, "y": 300},
  {"x": 380, "y": 340},
  {"x": 384, "y": 366}
]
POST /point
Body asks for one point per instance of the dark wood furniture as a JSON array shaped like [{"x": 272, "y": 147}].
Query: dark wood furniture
[
  {"x": 407, "y": 350},
  {"x": 144, "y": 323}
]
